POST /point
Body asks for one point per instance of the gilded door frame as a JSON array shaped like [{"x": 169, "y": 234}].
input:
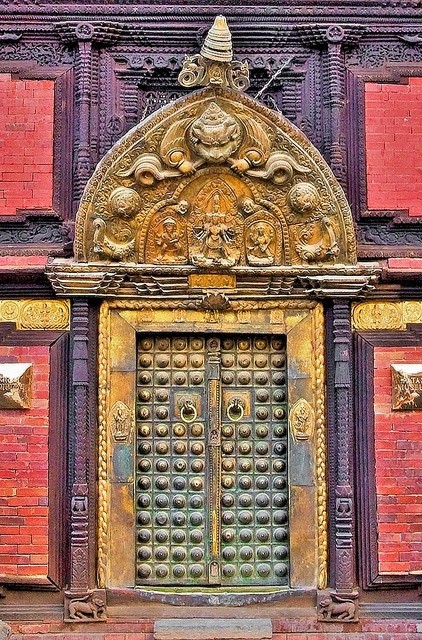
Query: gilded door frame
[{"x": 303, "y": 324}]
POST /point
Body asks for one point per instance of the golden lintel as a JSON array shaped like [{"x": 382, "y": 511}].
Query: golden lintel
[{"x": 211, "y": 280}]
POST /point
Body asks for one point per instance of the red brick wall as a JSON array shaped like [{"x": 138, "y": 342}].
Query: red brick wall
[
  {"x": 393, "y": 115},
  {"x": 26, "y": 140},
  {"x": 287, "y": 628},
  {"x": 23, "y": 472},
  {"x": 398, "y": 445}
]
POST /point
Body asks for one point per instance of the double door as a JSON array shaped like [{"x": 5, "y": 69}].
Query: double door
[{"x": 211, "y": 463}]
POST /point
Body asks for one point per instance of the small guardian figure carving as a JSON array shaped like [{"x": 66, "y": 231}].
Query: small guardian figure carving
[
  {"x": 87, "y": 608},
  {"x": 334, "y": 607}
]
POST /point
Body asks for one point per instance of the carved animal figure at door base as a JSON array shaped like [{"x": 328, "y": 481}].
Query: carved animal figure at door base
[
  {"x": 88, "y": 608},
  {"x": 334, "y": 607},
  {"x": 5, "y": 630}
]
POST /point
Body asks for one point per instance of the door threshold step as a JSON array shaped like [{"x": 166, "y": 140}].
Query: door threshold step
[{"x": 213, "y": 629}]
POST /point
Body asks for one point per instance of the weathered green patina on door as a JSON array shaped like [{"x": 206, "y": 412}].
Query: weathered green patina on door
[{"x": 211, "y": 497}]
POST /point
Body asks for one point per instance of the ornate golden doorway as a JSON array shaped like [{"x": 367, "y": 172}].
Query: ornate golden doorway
[
  {"x": 211, "y": 472},
  {"x": 214, "y": 217},
  {"x": 212, "y": 405}
]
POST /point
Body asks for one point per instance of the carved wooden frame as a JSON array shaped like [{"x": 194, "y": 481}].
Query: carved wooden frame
[
  {"x": 303, "y": 322},
  {"x": 60, "y": 215},
  {"x": 393, "y": 221},
  {"x": 365, "y": 343},
  {"x": 13, "y": 334}
]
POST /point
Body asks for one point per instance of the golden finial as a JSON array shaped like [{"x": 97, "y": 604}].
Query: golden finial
[
  {"x": 215, "y": 64},
  {"x": 218, "y": 42}
]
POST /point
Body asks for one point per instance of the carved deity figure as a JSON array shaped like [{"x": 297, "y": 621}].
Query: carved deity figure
[
  {"x": 215, "y": 237},
  {"x": 260, "y": 235},
  {"x": 259, "y": 244},
  {"x": 169, "y": 243}
]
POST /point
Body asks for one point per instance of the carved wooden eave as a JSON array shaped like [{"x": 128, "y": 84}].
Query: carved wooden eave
[{"x": 213, "y": 192}]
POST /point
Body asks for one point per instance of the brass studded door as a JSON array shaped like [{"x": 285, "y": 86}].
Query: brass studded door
[{"x": 211, "y": 480}]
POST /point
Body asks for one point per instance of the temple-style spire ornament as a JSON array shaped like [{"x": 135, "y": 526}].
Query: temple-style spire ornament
[
  {"x": 215, "y": 64},
  {"x": 218, "y": 42}
]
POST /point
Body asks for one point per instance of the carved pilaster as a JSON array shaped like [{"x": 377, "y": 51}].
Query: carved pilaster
[
  {"x": 344, "y": 515},
  {"x": 82, "y": 603},
  {"x": 335, "y": 63},
  {"x": 85, "y": 36},
  {"x": 334, "y": 38},
  {"x": 79, "y": 569},
  {"x": 341, "y": 440}
]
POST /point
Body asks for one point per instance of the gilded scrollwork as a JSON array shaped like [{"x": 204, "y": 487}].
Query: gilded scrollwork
[
  {"x": 106, "y": 248},
  {"x": 42, "y": 314},
  {"x": 36, "y": 314},
  {"x": 378, "y": 315}
]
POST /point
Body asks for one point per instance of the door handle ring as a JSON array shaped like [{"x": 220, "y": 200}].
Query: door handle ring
[
  {"x": 188, "y": 412},
  {"x": 235, "y": 410}
]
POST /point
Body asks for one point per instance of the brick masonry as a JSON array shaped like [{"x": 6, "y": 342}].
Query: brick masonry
[
  {"x": 285, "y": 629},
  {"x": 24, "y": 472},
  {"x": 398, "y": 445},
  {"x": 393, "y": 122},
  {"x": 22, "y": 262},
  {"x": 26, "y": 140}
]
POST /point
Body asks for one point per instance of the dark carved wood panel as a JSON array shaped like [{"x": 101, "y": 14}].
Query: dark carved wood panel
[
  {"x": 365, "y": 343},
  {"x": 58, "y": 342}
]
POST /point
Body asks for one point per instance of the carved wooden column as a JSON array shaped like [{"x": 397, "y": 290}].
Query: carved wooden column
[
  {"x": 82, "y": 461},
  {"x": 341, "y": 455},
  {"x": 79, "y": 570},
  {"x": 85, "y": 36},
  {"x": 333, "y": 38},
  {"x": 344, "y": 514},
  {"x": 335, "y": 64}
]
